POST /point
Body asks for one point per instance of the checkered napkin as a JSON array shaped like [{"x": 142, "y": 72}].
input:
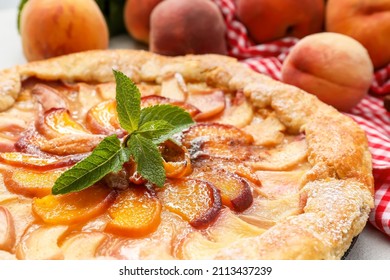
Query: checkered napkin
[{"x": 370, "y": 113}]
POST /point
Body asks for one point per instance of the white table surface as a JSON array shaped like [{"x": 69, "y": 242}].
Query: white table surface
[{"x": 371, "y": 243}]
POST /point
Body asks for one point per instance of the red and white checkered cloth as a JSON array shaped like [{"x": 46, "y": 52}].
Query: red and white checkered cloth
[{"x": 369, "y": 113}]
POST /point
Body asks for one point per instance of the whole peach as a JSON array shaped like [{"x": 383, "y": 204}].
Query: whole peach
[
  {"x": 366, "y": 21},
  {"x": 268, "y": 20},
  {"x": 334, "y": 67},
  {"x": 51, "y": 28},
  {"x": 137, "y": 18},
  {"x": 179, "y": 27}
]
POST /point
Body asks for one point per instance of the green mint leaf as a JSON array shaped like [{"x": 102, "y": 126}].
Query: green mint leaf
[
  {"x": 174, "y": 115},
  {"x": 108, "y": 156},
  {"x": 158, "y": 131},
  {"x": 128, "y": 99},
  {"x": 149, "y": 161}
]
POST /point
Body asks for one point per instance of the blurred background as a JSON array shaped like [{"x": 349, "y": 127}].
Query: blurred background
[
  {"x": 11, "y": 45},
  {"x": 8, "y": 4}
]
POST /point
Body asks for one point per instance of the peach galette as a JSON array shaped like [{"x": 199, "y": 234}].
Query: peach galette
[{"x": 262, "y": 171}]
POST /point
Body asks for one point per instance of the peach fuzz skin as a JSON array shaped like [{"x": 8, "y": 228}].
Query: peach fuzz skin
[
  {"x": 136, "y": 14},
  {"x": 179, "y": 27},
  {"x": 51, "y": 28},
  {"x": 367, "y": 21},
  {"x": 268, "y": 20},
  {"x": 334, "y": 67}
]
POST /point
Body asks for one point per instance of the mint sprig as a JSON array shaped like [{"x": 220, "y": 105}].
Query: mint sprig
[{"x": 146, "y": 128}]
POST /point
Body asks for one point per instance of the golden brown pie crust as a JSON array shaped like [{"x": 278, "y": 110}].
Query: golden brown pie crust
[{"x": 337, "y": 190}]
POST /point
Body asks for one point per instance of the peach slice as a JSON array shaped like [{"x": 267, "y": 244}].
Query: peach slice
[
  {"x": 41, "y": 244},
  {"x": 103, "y": 119},
  {"x": 281, "y": 158},
  {"x": 260, "y": 222},
  {"x": 157, "y": 245},
  {"x": 87, "y": 97},
  {"x": 237, "y": 167},
  {"x": 276, "y": 184},
  {"x": 152, "y": 100},
  {"x": 174, "y": 88},
  {"x": 6, "y": 145},
  {"x": 235, "y": 191},
  {"x": 106, "y": 91},
  {"x": 264, "y": 212},
  {"x": 73, "y": 145},
  {"x": 29, "y": 142},
  {"x": 227, "y": 229},
  {"x": 76, "y": 144},
  {"x": 210, "y": 103},
  {"x": 58, "y": 122},
  {"x": 196, "y": 246},
  {"x": 48, "y": 97},
  {"x": 135, "y": 213},
  {"x": 267, "y": 132},
  {"x": 30, "y": 183},
  {"x": 215, "y": 132},
  {"x": 74, "y": 207},
  {"x": 7, "y": 230},
  {"x": 229, "y": 151},
  {"x": 238, "y": 111},
  {"x": 82, "y": 246},
  {"x": 149, "y": 89},
  {"x": 96, "y": 224},
  {"x": 35, "y": 162},
  {"x": 197, "y": 202},
  {"x": 20, "y": 210},
  {"x": 11, "y": 127},
  {"x": 5, "y": 194}
]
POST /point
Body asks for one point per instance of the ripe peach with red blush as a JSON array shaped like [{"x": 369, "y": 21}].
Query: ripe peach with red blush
[
  {"x": 137, "y": 18},
  {"x": 187, "y": 27},
  {"x": 366, "y": 21},
  {"x": 268, "y": 20},
  {"x": 51, "y": 28},
  {"x": 334, "y": 67}
]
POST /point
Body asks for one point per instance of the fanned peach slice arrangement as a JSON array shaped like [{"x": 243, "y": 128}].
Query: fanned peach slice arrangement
[{"x": 224, "y": 175}]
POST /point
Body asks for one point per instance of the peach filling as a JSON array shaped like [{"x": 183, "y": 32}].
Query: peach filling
[{"x": 226, "y": 174}]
